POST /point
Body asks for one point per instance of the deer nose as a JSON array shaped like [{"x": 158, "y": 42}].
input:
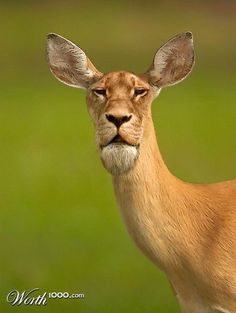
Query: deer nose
[{"x": 118, "y": 120}]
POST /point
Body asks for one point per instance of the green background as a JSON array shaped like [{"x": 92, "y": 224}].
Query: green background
[{"x": 60, "y": 225}]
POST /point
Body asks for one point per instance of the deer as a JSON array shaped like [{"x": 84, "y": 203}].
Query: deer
[{"x": 188, "y": 230}]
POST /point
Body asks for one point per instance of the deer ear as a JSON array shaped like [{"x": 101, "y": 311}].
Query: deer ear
[
  {"x": 173, "y": 61},
  {"x": 69, "y": 63}
]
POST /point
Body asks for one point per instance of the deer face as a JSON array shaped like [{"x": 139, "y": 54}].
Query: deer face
[{"x": 119, "y": 102}]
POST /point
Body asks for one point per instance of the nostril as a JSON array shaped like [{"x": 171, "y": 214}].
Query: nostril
[
  {"x": 118, "y": 121},
  {"x": 126, "y": 118},
  {"x": 111, "y": 118}
]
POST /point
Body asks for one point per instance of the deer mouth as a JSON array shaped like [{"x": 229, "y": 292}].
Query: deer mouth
[
  {"x": 119, "y": 156},
  {"x": 118, "y": 140}
]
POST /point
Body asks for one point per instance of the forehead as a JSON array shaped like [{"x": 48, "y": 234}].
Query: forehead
[{"x": 121, "y": 79}]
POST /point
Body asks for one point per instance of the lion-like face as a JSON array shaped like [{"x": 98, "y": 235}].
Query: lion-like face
[{"x": 119, "y": 103}]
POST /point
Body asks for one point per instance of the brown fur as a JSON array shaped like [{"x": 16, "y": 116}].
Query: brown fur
[{"x": 187, "y": 230}]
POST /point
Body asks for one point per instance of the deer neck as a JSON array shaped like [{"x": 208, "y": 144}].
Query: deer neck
[{"x": 147, "y": 196}]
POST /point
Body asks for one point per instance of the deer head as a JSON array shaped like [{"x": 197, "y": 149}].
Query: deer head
[{"x": 119, "y": 103}]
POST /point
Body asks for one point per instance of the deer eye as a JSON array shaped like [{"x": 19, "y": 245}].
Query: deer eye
[
  {"x": 140, "y": 92},
  {"x": 99, "y": 92}
]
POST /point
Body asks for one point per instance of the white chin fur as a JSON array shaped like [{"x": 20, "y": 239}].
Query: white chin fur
[{"x": 119, "y": 158}]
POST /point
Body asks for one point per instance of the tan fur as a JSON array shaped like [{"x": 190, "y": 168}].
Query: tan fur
[{"x": 187, "y": 230}]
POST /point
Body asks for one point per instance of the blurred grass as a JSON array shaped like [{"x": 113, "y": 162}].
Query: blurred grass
[{"x": 60, "y": 226}]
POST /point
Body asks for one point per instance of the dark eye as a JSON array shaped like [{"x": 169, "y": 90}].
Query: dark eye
[
  {"x": 99, "y": 92},
  {"x": 140, "y": 92}
]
